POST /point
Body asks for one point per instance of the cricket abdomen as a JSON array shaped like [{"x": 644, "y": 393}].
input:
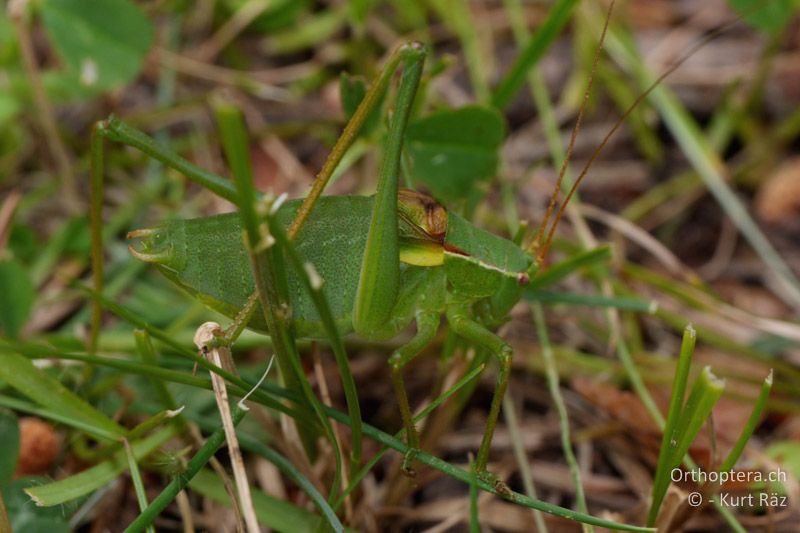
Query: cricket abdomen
[
  {"x": 207, "y": 257},
  {"x": 333, "y": 240}
]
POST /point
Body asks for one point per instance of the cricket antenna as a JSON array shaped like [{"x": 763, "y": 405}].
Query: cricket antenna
[
  {"x": 541, "y": 241},
  {"x": 536, "y": 243}
]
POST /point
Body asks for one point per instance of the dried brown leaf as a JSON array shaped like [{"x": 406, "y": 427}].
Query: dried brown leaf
[
  {"x": 38, "y": 446},
  {"x": 778, "y": 198}
]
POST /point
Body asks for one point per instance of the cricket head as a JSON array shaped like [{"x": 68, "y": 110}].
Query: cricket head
[
  {"x": 478, "y": 264},
  {"x": 426, "y": 239},
  {"x": 153, "y": 245},
  {"x": 203, "y": 256},
  {"x": 422, "y": 224}
]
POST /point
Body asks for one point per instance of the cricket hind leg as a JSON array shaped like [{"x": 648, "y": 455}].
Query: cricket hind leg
[
  {"x": 464, "y": 326},
  {"x": 427, "y": 324}
]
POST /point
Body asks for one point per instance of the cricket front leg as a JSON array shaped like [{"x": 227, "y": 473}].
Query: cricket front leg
[
  {"x": 379, "y": 279},
  {"x": 463, "y": 325},
  {"x": 427, "y": 324}
]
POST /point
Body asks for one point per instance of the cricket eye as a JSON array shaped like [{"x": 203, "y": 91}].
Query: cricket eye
[
  {"x": 152, "y": 245},
  {"x": 523, "y": 278}
]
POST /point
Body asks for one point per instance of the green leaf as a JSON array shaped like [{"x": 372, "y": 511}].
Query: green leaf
[
  {"x": 93, "y": 478},
  {"x": 17, "y": 293},
  {"x": 25, "y": 516},
  {"x": 102, "y": 42},
  {"x": 453, "y": 150},
  {"x": 770, "y": 17},
  {"x": 9, "y": 445}
]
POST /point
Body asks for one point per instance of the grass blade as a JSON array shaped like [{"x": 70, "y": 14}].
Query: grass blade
[
  {"x": 749, "y": 427},
  {"x": 530, "y": 55},
  {"x": 271, "y": 512},
  {"x": 555, "y": 273},
  {"x": 661, "y": 481},
  {"x": 592, "y": 300},
  {"x": 705, "y": 160},
  {"x": 474, "y": 518},
  {"x": 9, "y": 446},
  {"x": 706, "y": 391},
  {"x": 561, "y": 408},
  {"x": 136, "y": 477},
  {"x": 395, "y": 443},
  {"x": 439, "y": 400},
  {"x": 83, "y": 483},
  {"x": 312, "y": 284},
  {"x": 19, "y": 372},
  {"x": 121, "y": 132},
  {"x": 179, "y": 482},
  {"x": 522, "y": 460},
  {"x": 270, "y": 277}
]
